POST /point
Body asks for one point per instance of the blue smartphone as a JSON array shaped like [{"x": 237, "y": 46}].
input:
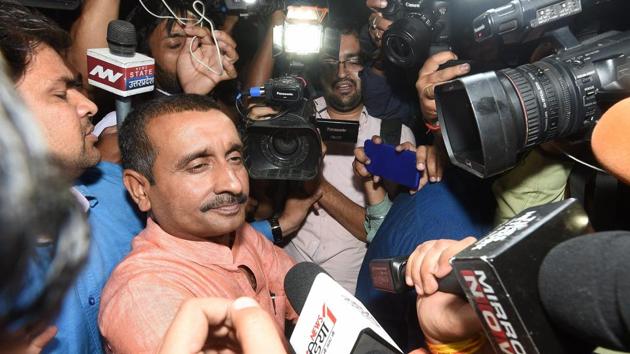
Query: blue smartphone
[{"x": 390, "y": 164}]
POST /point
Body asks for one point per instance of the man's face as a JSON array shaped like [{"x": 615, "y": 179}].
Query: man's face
[
  {"x": 341, "y": 82},
  {"x": 201, "y": 184},
  {"x": 53, "y": 94},
  {"x": 165, "y": 48}
]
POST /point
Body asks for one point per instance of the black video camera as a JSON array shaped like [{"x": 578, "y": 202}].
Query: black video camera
[
  {"x": 489, "y": 119},
  {"x": 286, "y": 146},
  {"x": 420, "y": 28}
]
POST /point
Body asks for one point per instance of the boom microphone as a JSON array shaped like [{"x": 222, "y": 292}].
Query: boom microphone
[
  {"x": 584, "y": 286},
  {"x": 331, "y": 319},
  {"x": 119, "y": 69}
]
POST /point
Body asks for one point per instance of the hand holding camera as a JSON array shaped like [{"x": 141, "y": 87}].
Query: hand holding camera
[{"x": 430, "y": 75}]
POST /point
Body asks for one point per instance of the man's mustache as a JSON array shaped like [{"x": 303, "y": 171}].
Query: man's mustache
[
  {"x": 222, "y": 200},
  {"x": 337, "y": 81}
]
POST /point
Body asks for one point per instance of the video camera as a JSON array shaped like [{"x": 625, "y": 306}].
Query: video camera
[
  {"x": 288, "y": 145},
  {"x": 489, "y": 119}
]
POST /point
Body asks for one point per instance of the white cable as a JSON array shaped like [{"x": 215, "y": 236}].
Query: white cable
[
  {"x": 184, "y": 21},
  {"x": 582, "y": 162}
]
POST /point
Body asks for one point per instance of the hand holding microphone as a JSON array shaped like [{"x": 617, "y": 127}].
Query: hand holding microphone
[{"x": 443, "y": 317}]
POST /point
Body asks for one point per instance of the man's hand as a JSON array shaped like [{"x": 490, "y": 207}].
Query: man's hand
[
  {"x": 377, "y": 23},
  {"x": 40, "y": 340},
  {"x": 443, "y": 317},
  {"x": 296, "y": 208},
  {"x": 429, "y": 76},
  {"x": 429, "y": 160},
  {"x": 214, "y": 325},
  {"x": 195, "y": 77}
]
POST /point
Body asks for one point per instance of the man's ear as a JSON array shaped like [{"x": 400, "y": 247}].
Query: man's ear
[{"x": 138, "y": 187}]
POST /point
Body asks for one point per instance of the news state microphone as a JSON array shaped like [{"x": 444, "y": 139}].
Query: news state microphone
[
  {"x": 119, "y": 69},
  {"x": 331, "y": 319}
]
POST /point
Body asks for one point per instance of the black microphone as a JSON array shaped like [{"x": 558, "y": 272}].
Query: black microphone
[
  {"x": 584, "y": 286},
  {"x": 388, "y": 274},
  {"x": 499, "y": 274},
  {"x": 331, "y": 319}
]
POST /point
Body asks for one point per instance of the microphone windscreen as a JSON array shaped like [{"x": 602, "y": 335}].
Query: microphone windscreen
[
  {"x": 121, "y": 38},
  {"x": 298, "y": 283},
  {"x": 610, "y": 142},
  {"x": 579, "y": 284}
]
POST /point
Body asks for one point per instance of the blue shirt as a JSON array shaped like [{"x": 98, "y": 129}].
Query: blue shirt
[
  {"x": 114, "y": 221},
  {"x": 459, "y": 206}
]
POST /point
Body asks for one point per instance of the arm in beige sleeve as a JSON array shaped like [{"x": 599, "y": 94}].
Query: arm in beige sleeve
[
  {"x": 349, "y": 214},
  {"x": 136, "y": 317}
]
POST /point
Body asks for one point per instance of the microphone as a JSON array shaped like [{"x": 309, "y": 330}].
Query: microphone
[
  {"x": 119, "y": 69},
  {"x": 584, "y": 286},
  {"x": 388, "y": 274},
  {"x": 331, "y": 319},
  {"x": 499, "y": 274}
]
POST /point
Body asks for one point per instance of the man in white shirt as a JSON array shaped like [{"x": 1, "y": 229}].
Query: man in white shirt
[{"x": 334, "y": 236}]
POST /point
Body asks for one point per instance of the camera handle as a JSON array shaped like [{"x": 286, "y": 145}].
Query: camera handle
[{"x": 563, "y": 38}]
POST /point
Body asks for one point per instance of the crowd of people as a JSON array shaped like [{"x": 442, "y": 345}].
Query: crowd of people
[{"x": 187, "y": 253}]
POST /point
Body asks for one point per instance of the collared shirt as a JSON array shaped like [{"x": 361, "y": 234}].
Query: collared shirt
[
  {"x": 147, "y": 288},
  {"x": 114, "y": 221},
  {"x": 322, "y": 239}
]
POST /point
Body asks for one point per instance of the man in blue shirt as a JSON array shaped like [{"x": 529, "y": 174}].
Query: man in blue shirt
[
  {"x": 33, "y": 47},
  {"x": 114, "y": 221}
]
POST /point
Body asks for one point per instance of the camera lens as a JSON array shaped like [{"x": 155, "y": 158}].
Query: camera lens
[
  {"x": 285, "y": 145},
  {"x": 489, "y": 119},
  {"x": 407, "y": 41}
]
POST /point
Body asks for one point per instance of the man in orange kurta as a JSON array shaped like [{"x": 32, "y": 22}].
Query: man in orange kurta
[{"x": 184, "y": 166}]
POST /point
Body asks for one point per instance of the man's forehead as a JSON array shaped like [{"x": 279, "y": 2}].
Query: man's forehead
[
  {"x": 46, "y": 59},
  {"x": 212, "y": 121},
  {"x": 349, "y": 42}
]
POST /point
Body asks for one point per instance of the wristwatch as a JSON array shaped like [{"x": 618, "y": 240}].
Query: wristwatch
[{"x": 276, "y": 230}]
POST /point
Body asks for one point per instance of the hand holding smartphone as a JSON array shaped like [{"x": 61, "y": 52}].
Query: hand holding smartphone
[{"x": 390, "y": 164}]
